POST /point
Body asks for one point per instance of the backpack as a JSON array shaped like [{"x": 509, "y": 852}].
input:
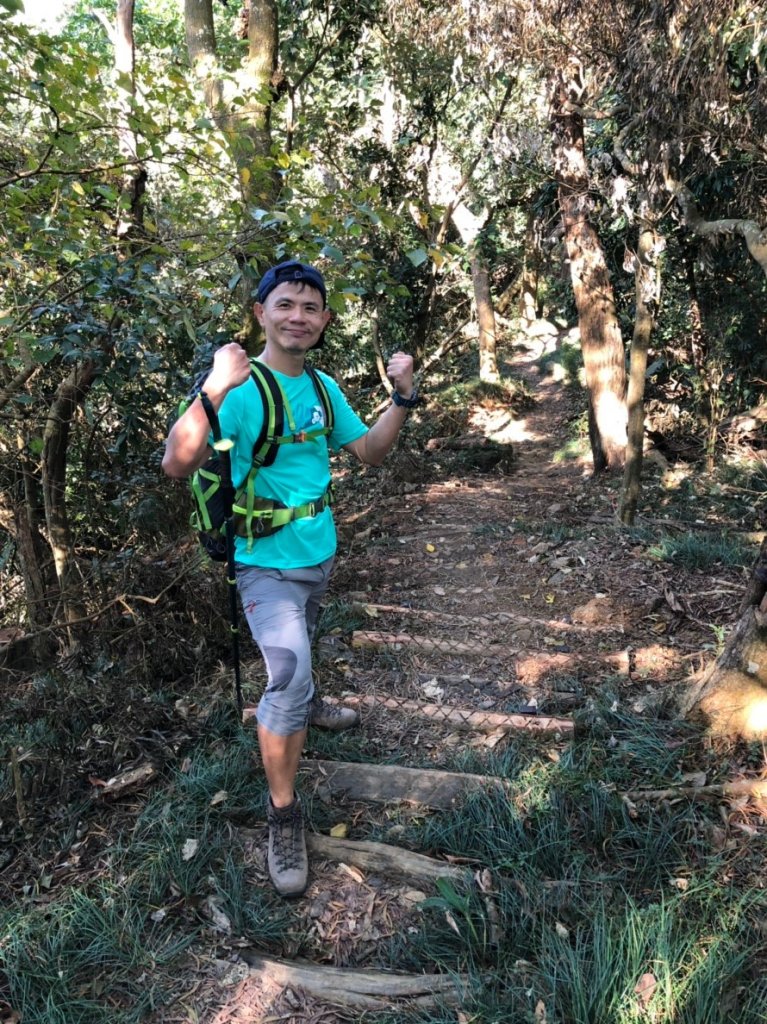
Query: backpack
[{"x": 215, "y": 500}]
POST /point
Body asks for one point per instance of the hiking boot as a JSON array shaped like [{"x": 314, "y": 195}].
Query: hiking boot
[
  {"x": 331, "y": 716},
  {"x": 286, "y": 857}
]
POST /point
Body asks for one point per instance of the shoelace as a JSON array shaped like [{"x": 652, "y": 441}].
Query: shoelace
[
  {"x": 286, "y": 842},
  {"x": 321, "y": 707}
]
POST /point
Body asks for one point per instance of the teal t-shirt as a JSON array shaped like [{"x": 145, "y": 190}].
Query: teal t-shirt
[{"x": 300, "y": 473}]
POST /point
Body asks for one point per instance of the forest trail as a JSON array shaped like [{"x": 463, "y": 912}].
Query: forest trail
[{"x": 487, "y": 609}]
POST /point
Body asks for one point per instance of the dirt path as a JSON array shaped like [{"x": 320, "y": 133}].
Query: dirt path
[{"x": 478, "y": 593}]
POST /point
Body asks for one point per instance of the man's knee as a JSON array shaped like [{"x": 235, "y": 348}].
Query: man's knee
[
  {"x": 285, "y": 712},
  {"x": 281, "y": 663}
]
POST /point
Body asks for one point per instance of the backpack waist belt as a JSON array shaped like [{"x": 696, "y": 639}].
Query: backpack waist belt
[{"x": 261, "y": 517}]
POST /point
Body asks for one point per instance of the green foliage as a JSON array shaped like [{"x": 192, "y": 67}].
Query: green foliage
[
  {"x": 586, "y": 894},
  {"x": 702, "y": 551},
  {"x": 107, "y": 950},
  {"x": 91, "y": 957}
]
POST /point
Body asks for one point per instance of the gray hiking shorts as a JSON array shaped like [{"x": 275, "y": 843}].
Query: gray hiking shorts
[{"x": 282, "y": 606}]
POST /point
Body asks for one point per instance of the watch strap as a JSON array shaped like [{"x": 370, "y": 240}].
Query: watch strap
[{"x": 405, "y": 403}]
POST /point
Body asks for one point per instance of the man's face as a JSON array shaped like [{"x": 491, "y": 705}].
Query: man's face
[{"x": 292, "y": 317}]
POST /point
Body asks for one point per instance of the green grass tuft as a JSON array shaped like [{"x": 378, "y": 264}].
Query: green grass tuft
[
  {"x": 85, "y": 959},
  {"x": 703, "y": 551}
]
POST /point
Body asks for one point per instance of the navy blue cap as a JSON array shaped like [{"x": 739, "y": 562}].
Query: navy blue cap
[{"x": 291, "y": 271}]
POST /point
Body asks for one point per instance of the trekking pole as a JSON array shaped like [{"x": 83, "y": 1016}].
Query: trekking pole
[
  {"x": 227, "y": 494},
  {"x": 223, "y": 446}
]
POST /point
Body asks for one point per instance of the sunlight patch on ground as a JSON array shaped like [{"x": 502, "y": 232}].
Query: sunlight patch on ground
[
  {"x": 756, "y": 722},
  {"x": 500, "y": 426}
]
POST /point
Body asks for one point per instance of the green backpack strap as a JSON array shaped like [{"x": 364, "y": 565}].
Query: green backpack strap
[
  {"x": 272, "y": 435},
  {"x": 273, "y": 402},
  {"x": 277, "y": 410}
]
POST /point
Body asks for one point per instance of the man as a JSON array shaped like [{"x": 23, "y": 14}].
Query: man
[{"x": 282, "y": 577}]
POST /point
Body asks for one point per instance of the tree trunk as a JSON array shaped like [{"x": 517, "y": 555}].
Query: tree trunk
[
  {"x": 731, "y": 696},
  {"x": 647, "y": 298},
  {"x": 246, "y": 122},
  {"x": 602, "y": 344},
  {"x": 54, "y": 471},
  {"x": 201, "y": 45},
  {"x": 135, "y": 175},
  {"x": 242, "y": 108},
  {"x": 469, "y": 227},
  {"x": 707, "y": 362},
  {"x": 528, "y": 298},
  {"x": 488, "y": 361},
  {"x": 39, "y": 585}
]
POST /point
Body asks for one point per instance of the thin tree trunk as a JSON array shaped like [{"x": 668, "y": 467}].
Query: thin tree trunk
[
  {"x": 469, "y": 227},
  {"x": 242, "y": 108},
  {"x": 488, "y": 361},
  {"x": 39, "y": 586},
  {"x": 647, "y": 296},
  {"x": 528, "y": 298},
  {"x": 602, "y": 344},
  {"x": 135, "y": 175},
  {"x": 54, "y": 473}
]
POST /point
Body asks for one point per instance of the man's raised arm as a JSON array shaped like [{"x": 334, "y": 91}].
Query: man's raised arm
[{"x": 187, "y": 446}]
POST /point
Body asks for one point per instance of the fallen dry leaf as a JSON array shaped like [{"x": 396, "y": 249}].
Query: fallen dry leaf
[
  {"x": 645, "y": 989},
  {"x": 353, "y": 872},
  {"x": 218, "y": 918},
  {"x": 340, "y": 831},
  {"x": 696, "y": 779},
  {"x": 672, "y": 600},
  {"x": 484, "y": 880},
  {"x": 413, "y": 896},
  {"x": 540, "y": 1012},
  {"x": 189, "y": 849},
  {"x": 452, "y": 922}
]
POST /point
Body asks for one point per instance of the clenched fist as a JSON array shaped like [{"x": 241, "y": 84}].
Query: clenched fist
[{"x": 400, "y": 373}]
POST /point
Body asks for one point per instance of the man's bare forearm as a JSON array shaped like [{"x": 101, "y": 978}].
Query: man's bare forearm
[{"x": 187, "y": 446}]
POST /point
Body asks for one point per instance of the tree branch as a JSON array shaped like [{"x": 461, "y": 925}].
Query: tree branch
[{"x": 752, "y": 233}]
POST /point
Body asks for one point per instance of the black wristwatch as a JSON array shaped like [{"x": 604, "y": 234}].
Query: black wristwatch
[{"x": 405, "y": 403}]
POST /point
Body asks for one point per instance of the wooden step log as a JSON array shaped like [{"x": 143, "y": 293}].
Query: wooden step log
[
  {"x": 493, "y": 619},
  {"x": 616, "y": 661},
  {"x": 382, "y": 859},
  {"x": 362, "y": 989},
  {"x": 367, "y": 639},
  {"x": 463, "y": 718},
  {"x": 389, "y": 783}
]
